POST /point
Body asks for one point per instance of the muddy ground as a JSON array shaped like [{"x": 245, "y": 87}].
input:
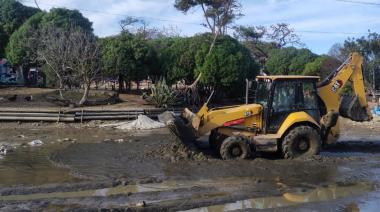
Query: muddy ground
[{"x": 82, "y": 166}]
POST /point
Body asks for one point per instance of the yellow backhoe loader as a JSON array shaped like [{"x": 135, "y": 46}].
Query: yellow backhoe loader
[{"x": 296, "y": 115}]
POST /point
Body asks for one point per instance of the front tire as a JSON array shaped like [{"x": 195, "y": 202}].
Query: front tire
[
  {"x": 235, "y": 148},
  {"x": 302, "y": 141}
]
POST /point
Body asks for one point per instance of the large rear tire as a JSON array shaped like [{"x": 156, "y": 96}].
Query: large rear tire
[
  {"x": 235, "y": 148},
  {"x": 302, "y": 141},
  {"x": 215, "y": 141}
]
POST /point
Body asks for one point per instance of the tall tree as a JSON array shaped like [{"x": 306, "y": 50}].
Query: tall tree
[
  {"x": 218, "y": 14},
  {"x": 21, "y": 49},
  {"x": 66, "y": 19},
  {"x": 3, "y": 40},
  {"x": 227, "y": 66},
  {"x": 336, "y": 52},
  {"x": 283, "y": 35},
  {"x": 128, "y": 57},
  {"x": 84, "y": 59},
  {"x": 73, "y": 55},
  {"x": 369, "y": 47},
  {"x": 12, "y": 15}
]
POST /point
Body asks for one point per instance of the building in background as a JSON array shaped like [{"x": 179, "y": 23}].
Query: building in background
[
  {"x": 9, "y": 76},
  {"x": 34, "y": 77}
]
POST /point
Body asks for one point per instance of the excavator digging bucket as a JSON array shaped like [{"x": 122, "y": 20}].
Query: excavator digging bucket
[
  {"x": 350, "y": 108},
  {"x": 183, "y": 127}
]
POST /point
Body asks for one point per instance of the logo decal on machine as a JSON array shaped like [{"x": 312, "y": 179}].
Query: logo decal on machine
[
  {"x": 247, "y": 113},
  {"x": 338, "y": 84}
]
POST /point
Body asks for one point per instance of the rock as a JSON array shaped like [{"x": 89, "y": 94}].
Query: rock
[
  {"x": 35, "y": 143},
  {"x": 21, "y": 136}
]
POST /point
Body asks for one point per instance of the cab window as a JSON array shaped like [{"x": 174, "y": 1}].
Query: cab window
[{"x": 284, "y": 97}]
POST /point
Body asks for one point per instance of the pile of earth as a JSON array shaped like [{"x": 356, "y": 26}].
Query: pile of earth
[{"x": 175, "y": 150}]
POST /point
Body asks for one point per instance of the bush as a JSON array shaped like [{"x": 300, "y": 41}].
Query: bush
[{"x": 161, "y": 95}]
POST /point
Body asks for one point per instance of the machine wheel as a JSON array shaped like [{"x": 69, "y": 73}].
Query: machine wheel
[
  {"x": 235, "y": 148},
  {"x": 302, "y": 141},
  {"x": 215, "y": 140}
]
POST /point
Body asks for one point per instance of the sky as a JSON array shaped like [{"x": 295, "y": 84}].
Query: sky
[{"x": 319, "y": 23}]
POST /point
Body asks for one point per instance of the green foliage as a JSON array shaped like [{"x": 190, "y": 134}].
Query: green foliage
[
  {"x": 65, "y": 19},
  {"x": 12, "y": 15},
  {"x": 161, "y": 95},
  {"x": 314, "y": 68},
  {"x": 23, "y": 43},
  {"x": 3, "y": 40},
  {"x": 347, "y": 89},
  {"x": 19, "y": 50},
  {"x": 369, "y": 48},
  {"x": 322, "y": 66},
  {"x": 218, "y": 14},
  {"x": 164, "y": 56},
  {"x": 227, "y": 66},
  {"x": 127, "y": 56},
  {"x": 288, "y": 61}
]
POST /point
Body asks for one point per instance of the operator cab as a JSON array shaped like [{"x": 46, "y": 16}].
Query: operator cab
[{"x": 282, "y": 95}]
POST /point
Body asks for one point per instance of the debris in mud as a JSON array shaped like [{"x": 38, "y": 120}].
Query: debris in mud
[
  {"x": 5, "y": 149},
  {"x": 35, "y": 143},
  {"x": 141, "y": 204},
  {"x": 141, "y": 123},
  {"x": 21, "y": 136},
  {"x": 109, "y": 140},
  {"x": 72, "y": 140}
]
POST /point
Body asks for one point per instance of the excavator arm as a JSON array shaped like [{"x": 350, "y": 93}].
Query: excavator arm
[{"x": 353, "y": 107}]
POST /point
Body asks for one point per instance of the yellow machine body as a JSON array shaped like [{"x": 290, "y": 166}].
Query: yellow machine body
[{"x": 249, "y": 120}]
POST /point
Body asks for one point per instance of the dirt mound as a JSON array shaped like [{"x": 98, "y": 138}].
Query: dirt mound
[{"x": 176, "y": 151}]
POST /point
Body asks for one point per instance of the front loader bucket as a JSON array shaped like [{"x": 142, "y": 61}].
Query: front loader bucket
[
  {"x": 350, "y": 108},
  {"x": 181, "y": 126}
]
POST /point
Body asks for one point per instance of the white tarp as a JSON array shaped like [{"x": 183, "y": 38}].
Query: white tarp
[{"x": 141, "y": 123}]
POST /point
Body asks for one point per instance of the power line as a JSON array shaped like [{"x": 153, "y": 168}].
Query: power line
[
  {"x": 360, "y": 2},
  {"x": 116, "y": 14},
  {"x": 330, "y": 32},
  {"x": 198, "y": 24}
]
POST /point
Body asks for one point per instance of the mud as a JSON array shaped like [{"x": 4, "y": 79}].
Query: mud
[{"x": 85, "y": 167}]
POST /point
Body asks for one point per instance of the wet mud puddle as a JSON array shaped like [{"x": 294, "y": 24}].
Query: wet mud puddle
[
  {"x": 30, "y": 165},
  {"x": 320, "y": 194},
  {"x": 216, "y": 189}
]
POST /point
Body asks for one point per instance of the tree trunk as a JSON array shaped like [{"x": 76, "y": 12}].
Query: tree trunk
[
  {"x": 138, "y": 85},
  {"x": 121, "y": 83},
  {"x": 85, "y": 95},
  {"x": 60, "y": 88},
  {"x": 129, "y": 83}
]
